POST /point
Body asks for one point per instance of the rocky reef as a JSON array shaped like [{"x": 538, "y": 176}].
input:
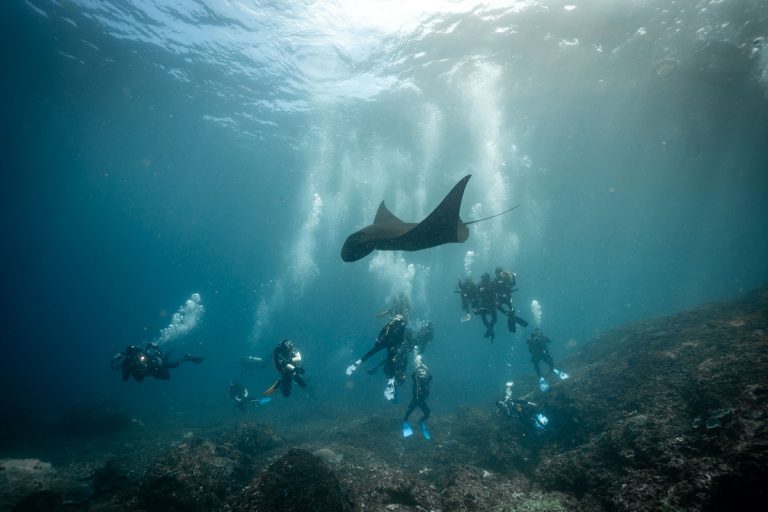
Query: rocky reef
[{"x": 666, "y": 414}]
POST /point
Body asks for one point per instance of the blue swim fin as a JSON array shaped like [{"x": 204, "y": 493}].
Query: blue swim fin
[
  {"x": 424, "y": 431},
  {"x": 262, "y": 401},
  {"x": 407, "y": 430}
]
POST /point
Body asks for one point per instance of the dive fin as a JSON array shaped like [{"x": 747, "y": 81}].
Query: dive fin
[
  {"x": 407, "y": 430},
  {"x": 424, "y": 431},
  {"x": 389, "y": 390},
  {"x": 262, "y": 401},
  {"x": 271, "y": 388},
  {"x": 543, "y": 384}
]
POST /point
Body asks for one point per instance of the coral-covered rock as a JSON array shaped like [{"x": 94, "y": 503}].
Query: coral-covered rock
[
  {"x": 22, "y": 477},
  {"x": 296, "y": 482},
  {"x": 196, "y": 475},
  {"x": 673, "y": 412},
  {"x": 252, "y": 438}
]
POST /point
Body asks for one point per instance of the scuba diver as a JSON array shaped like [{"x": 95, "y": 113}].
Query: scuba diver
[
  {"x": 395, "y": 365},
  {"x": 422, "y": 382},
  {"x": 240, "y": 395},
  {"x": 527, "y": 413},
  {"x": 487, "y": 296},
  {"x": 538, "y": 346},
  {"x": 416, "y": 339},
  {"x": 504, "y": 284},
  {"x": 287, "y": 361},
  {"x": 470, "y": 300},
  {"x": 390, "y": 337},
  {"x": 150, "y": 361}
]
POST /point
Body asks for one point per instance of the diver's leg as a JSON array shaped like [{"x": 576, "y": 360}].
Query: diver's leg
[
  {"x": 162, "y": 373},
  {"x": 285, "y": 384},
  {"x": 548, "y": 359},
  {"x": 488, "y": 325},
  {"x": 425, "y": 410},
  {"x": 170, "y": 364},
  {"x": 411, "y": 408},
  {"x": 535, "y": 361}
]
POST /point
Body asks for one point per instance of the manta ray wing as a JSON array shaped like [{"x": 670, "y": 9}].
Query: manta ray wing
[{"x": 442, "y": 226}]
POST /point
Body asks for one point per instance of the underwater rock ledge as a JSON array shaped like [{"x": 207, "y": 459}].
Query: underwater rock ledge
[{"x": 664, "y": 414}]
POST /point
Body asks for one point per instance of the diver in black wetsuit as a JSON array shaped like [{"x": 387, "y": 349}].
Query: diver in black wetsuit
[
  {"x": 242, "y": 397},
  {"x": 416, "y": 338},
  {"x": 504, "y": 285},
  {"x": 469, "y": 295},
  {"x": 523, "y": 411},
  {"x": 149, "y": 362},
  {"x": 391, "y": 338},
  {"x": 538, "y": 346},
  {"x": 287, "y": 361},
  {"x": 526, "y": 413},
  {"x": 487, "y": 295},
  {"x": 504, "y": 282},
  {"x": 422, "y": 382}
]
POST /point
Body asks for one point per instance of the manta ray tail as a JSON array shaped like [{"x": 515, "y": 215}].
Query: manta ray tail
[{"x": 492, "y": 216}]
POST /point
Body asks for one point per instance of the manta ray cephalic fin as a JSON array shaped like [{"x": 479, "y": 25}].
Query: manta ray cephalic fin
[{"x": 384, "y": 216}]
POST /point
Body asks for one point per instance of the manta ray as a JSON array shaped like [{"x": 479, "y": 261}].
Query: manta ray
[{"x": 388, "y": 233}]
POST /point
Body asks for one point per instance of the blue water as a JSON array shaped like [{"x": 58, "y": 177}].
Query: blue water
[{"x": 154, "y": 149}]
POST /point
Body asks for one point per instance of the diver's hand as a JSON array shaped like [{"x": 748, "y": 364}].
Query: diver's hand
[
  {"x": 351, "y": 368},
  {"x": 290, "y": 367}
]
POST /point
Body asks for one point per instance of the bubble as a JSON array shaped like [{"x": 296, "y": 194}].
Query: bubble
[
  {"x": 536, "y": 311},
  {"x": 184, "y": 320}
]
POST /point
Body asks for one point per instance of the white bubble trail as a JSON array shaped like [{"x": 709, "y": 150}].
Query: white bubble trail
[
  {"x": 536, "y": 311},
  {"x": 184, "y": 320}
]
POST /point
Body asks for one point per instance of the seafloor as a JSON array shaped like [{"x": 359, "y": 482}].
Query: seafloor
[{"x": 666, "y": 414}]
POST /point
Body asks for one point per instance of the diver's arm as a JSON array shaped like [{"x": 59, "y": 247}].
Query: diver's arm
[{"x": 296, "y": 358}]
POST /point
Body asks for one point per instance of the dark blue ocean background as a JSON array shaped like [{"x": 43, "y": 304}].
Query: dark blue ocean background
[{"x": 152, "y": 149}]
